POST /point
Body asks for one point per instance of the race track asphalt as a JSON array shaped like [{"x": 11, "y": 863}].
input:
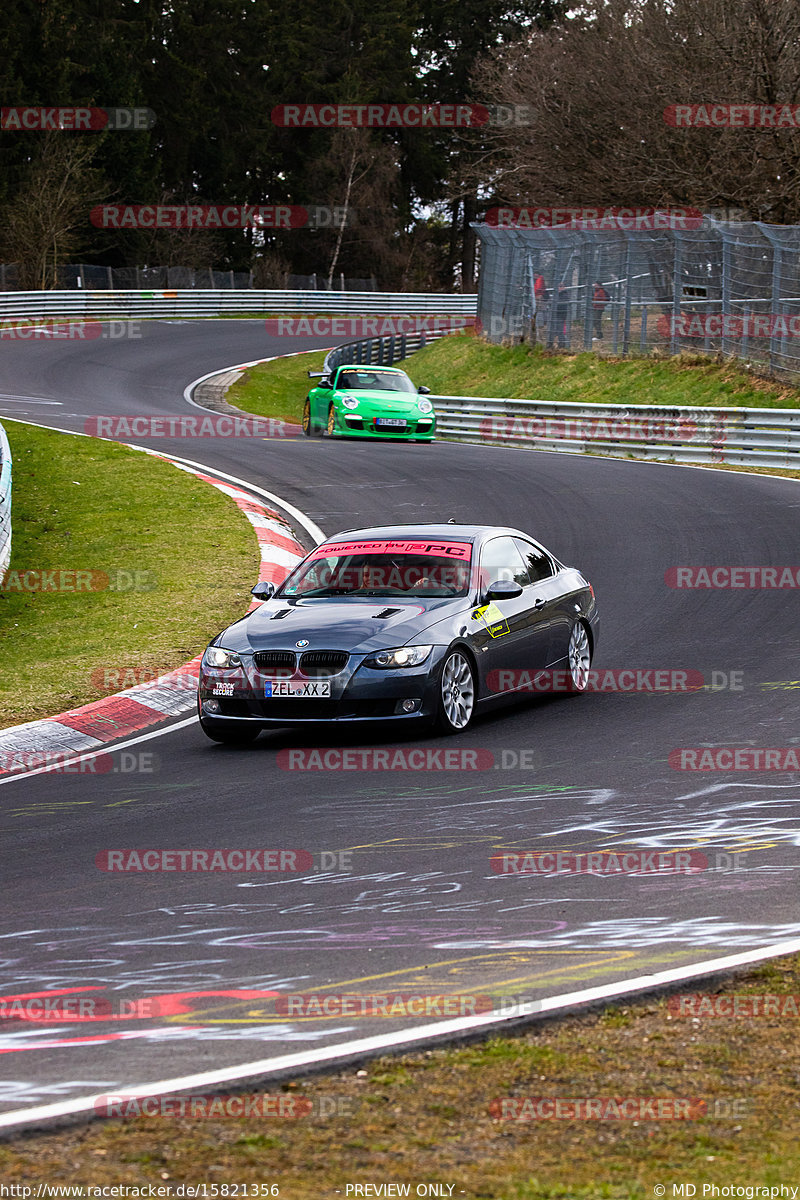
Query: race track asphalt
[{"x": 413, "y": 905}]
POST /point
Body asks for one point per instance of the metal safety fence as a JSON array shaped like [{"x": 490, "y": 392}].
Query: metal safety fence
[
  {"x": 712, "y": 287},
  {"x": 92, "y": 275},
  {"x": 737, "y": 436},
  {"x": 5, "y": 502},
  {"x": 380, "y": 351},
  {"x": 188, "y": 304}
]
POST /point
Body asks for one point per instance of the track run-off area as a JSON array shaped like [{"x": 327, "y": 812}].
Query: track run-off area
[{"x": 186, "y": 974}]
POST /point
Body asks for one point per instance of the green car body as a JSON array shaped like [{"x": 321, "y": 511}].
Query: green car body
[{"x": 378, "y": 403}]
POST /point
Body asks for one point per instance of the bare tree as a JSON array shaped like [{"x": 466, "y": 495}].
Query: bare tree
[
  {"x": 47, "y": 222},
  {"x": 599, "y": 88},
  {"x": 192, "y": 247},
  {"x": 360, "y": 175}
]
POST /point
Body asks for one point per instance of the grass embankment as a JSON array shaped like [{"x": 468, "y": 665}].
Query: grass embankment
[
  {"x": 464, "y": 366},
  {"x": 461, "y": 365},
  {"x": 80, "y": 504},
  {"x": 278, "y": 388},
  {"x": 425, "y": 1117}
]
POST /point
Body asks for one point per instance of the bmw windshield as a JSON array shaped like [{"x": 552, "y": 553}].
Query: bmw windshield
[{"x": 397, "y": 569}]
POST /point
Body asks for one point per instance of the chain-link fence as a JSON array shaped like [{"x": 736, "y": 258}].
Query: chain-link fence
[
  {"x": 722, "y": 286},
  {"x": 88, "y": 275}
]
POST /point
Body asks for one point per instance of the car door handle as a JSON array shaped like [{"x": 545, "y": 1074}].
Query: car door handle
[{"x": 540, "y": 603}]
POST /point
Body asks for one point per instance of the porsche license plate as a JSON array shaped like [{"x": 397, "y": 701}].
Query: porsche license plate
[
  {"x": 391, "y": 423},
  {"x": 298, "y": 690}
]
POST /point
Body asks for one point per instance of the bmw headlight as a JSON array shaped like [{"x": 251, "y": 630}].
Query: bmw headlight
[
  {"x": 424, "y": 405},
  {"x": 216, "y": 656},
  {"x": 349, "y": 402},
  {"x": 405, "y": 656}
]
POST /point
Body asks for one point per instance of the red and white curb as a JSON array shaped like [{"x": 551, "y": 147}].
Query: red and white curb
[{"x": 52, "y": 741}]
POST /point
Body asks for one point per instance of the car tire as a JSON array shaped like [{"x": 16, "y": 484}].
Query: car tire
[
  {"x": 306, "y": 418},
  {"x": 331, "y": 426},
  {"x": 231, "y": 733},
  {"x": 579, "y": 658},
  {"x": 456, "y": 693}
]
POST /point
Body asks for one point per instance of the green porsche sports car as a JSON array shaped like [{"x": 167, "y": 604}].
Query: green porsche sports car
[{"x": 370, "y": 402}]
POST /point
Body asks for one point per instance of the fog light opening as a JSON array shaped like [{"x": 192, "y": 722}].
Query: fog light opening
[
  {"x": 211, "y": 706},
  {"x": 408, "y": 706}
]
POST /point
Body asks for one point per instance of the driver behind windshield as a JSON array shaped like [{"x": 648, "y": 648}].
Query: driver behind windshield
[{"x": 383, "y": 574}]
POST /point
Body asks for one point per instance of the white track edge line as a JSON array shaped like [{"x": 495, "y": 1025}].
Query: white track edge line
[
  {"x": 103, "y": 748},
  {"x": 387, "y": 1041}
]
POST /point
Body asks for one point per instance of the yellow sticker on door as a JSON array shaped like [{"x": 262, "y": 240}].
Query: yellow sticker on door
[{"x": 493, "y": 619}]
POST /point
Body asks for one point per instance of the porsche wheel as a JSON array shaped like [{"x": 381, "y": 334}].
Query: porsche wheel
[
  {"x": 579, "y": 657},
  {"x": 331, "y": 428},
  {"x": 306, "y": 421},
  {"x": 456, "y": 694}
]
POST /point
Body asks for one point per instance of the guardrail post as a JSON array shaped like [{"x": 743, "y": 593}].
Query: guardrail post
[
  {"x": 677, "y": 289},
  {"x": 626, "y": 326},
  {"x": 588, "y": 306},
  {"x": 776, "y": 303},
  {"x": 726, "y": 295}
]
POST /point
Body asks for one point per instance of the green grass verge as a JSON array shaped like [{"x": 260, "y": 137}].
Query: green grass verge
[
  {"x": 461, "y": 365},
  {"x": 278, "y": 388},
  {"x": 425, "y": 1117},
  {"x": 88, "y": 505}
]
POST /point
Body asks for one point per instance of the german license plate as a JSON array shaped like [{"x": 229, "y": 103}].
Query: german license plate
[
  {"x": 297, "y": 689},
  {"x": 391, "y": 423}
]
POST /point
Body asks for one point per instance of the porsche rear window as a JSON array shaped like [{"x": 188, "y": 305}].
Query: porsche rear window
[{"x": 416, "y": 570}]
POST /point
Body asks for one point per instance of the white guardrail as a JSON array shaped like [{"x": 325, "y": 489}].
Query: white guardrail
[
  {"x": 767, "y": 437},
  {"x": 5, "y": 502},
  {"x": 193, "y": 303}
]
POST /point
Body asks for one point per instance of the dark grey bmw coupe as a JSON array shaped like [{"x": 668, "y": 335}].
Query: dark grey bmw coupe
[{"x": 402, "y": 623}]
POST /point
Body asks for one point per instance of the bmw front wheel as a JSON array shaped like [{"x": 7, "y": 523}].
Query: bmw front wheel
[
  {"x": 579, "y": 657},
  {"x": 456, "y": 694}
]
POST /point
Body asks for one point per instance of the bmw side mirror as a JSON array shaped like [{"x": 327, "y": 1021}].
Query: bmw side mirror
[
  {"x": 263, "y": 590},
  {"x": 503, "y": 589},
  {"x": 423, "y": 391}
]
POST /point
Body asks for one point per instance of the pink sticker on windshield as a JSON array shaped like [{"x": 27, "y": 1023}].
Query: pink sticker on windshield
[{"x": 457, "y": 551}]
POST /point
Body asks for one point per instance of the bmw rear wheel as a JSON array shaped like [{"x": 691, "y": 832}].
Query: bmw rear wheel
[
  {"x": 331, "y": 421},
  {"x": 456, "y": 694},
  {"x": 579, "y": 657}
]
